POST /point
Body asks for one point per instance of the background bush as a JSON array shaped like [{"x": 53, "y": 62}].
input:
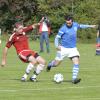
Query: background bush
[{"x": 31, "y": 11}]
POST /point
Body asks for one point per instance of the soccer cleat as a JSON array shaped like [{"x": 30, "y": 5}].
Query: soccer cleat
[
  {"x": 23, "y": 79},
  {"x": 48, "y": 67},
  {"x": 76, "y": 81},
  {"x": 33, "y": 79}
]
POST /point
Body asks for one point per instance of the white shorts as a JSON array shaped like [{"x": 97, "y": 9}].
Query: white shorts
[{"x": 66, "y": 52}]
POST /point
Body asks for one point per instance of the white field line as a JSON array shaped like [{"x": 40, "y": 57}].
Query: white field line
[
  {"x": 52, "y": 89},
  {"x": 47, "y": 89}
]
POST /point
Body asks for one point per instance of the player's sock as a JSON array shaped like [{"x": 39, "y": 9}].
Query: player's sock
[
  {"x": 38, "y": 70},
  {"x": 75, "y": 71},
  {"x": 24, "y": 77},
  {"x": 51, "y": 64},
  {"x": 29, "y": 68}
]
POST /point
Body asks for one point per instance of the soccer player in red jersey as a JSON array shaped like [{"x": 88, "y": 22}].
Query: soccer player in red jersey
[{"x": 20, "y": 41}]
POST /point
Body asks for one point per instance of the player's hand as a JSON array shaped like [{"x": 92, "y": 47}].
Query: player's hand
[
  {"x": 93, "y": 26},
  {"x": 42, "y": 18}
]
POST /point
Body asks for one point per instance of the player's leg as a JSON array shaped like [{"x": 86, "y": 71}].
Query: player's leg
[
  {"x": 53, "y": 63},
  {"x": 47, "y": 42},
  {"x": 41, "y": 42},
  {"x": 32, "y": 62},
  {"x": 75, "y": 70},
  {"x": 40, "y": 66},
  {"x": 56, "y": 62},
  {"x": 30, "y": 66},
  {"x": 74, "y": 56},
  {"x": 30, "y": 57}
]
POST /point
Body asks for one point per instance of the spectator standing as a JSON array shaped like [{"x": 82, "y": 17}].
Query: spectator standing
[{"x": 44, "y": 30}]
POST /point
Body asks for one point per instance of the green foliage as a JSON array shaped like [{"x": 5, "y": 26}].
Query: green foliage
[{"x": 84, "y": 11}]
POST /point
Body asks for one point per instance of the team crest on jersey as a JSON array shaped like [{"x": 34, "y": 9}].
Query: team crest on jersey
[{"x": 75, "y": 28}]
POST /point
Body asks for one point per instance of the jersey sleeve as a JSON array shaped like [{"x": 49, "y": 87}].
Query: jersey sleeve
[
  {"x": 57, "y": 39},
  {"x": 28, "y": 28},
  {"x": 9, "y": 44},
  {"x": 84, "y": 26},
  {"x": 61, "y": 31},
  {"x": 58, "y": 36},
  {"x": 10, "y": 41}
]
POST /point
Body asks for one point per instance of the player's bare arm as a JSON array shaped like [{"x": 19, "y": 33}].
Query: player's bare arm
[{"x": 4, "y": 56}]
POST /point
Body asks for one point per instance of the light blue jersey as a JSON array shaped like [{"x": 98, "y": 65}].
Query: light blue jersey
[{"x": 68, "y": 36}]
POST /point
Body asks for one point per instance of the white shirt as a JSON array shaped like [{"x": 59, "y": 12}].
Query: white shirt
[{"x": 44, "y": 27}]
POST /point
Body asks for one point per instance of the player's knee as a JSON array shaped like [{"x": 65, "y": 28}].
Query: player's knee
[
  {"x": 44, "y": 62},
  {"x": 32, "y": 60},
  {"x": 40, "y": 60}
]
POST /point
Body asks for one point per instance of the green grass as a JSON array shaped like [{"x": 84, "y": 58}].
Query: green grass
[{"x": 11, "y": 88}]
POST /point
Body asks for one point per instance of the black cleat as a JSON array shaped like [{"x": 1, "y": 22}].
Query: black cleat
[
  {"x": 48, "y": 68},
  {"x": 33, "y": 79},
  {"x": 76, "y": 81}
]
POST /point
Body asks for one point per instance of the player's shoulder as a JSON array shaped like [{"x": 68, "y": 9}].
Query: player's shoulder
[
  {"x": 63, "y": 25},
  {"x": 75, "y": 23}
]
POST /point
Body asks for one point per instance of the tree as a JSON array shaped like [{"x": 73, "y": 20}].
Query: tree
[{"x": 84, "y": 11}]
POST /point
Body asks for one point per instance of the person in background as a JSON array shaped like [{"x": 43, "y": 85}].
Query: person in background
[
  {"x": 65, "y": 43},
  {"x": 98, "y": 41},
  {"x": 20, "y": 41},
  {"x": 44, "y": 30}
]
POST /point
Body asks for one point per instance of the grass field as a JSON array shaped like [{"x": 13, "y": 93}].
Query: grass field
[{"x": 11, "y": 88}]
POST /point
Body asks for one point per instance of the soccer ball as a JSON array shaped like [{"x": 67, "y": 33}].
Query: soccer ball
[{"x": 58, "y": 78}]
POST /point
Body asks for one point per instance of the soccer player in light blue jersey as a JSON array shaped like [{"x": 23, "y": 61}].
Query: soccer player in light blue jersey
[{"x": 65, "y": 43}]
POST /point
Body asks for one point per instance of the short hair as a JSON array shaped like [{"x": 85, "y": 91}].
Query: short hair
[
  {"x": 18, "y": 24},
  {"x": 68, "y": 17}
]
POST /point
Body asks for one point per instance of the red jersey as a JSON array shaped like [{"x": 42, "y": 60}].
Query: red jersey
[{"x": 19, "y": 41}]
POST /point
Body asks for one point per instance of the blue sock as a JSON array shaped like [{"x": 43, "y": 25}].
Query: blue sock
[
  {"x": 52, "y": 63},
  {"x": 75, "y": 71}
]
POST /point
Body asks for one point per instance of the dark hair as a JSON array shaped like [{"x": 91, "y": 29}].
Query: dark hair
[
  {"x": 47, "y": 21},
  {"x": 68, "y": 17}
]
